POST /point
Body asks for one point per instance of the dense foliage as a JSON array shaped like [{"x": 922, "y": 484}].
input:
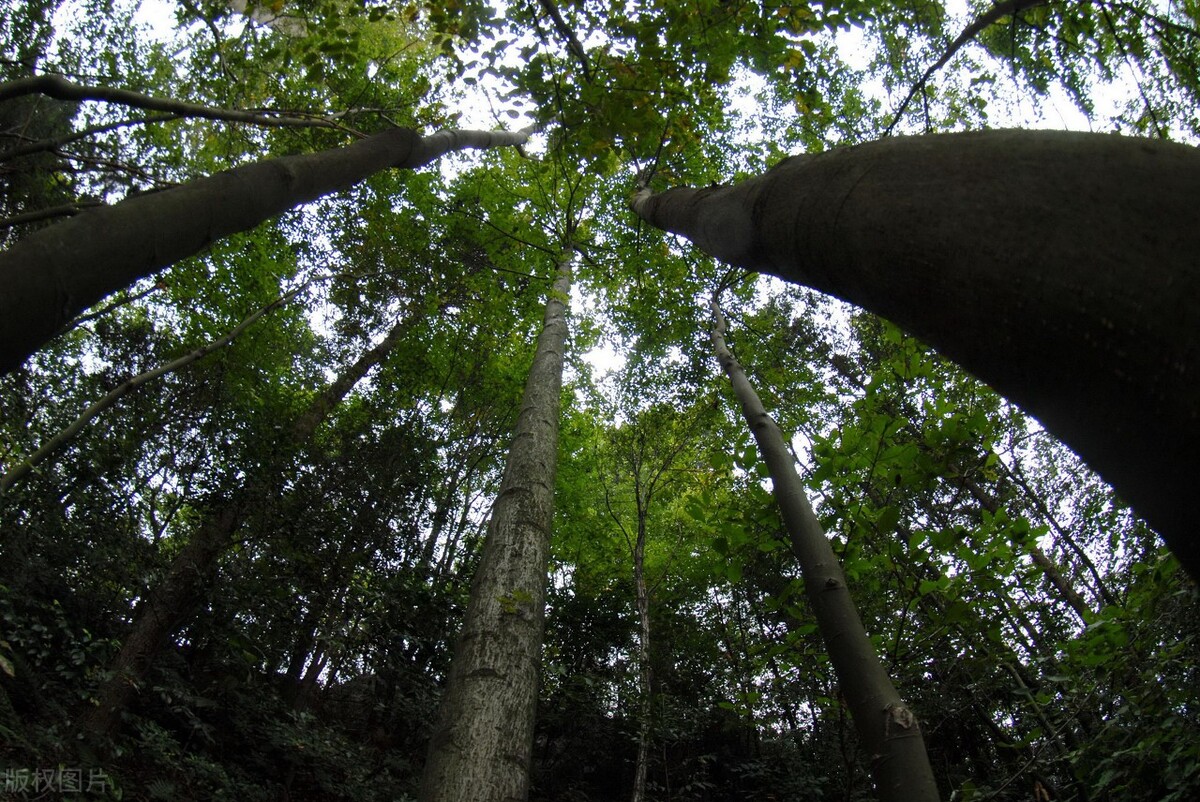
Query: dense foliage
[{"x": 1047, "y": 640}]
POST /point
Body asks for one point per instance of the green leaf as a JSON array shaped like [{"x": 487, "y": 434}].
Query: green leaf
[
  {"x": 733, "y": 572},
  {"x": 889, "y": 518}
]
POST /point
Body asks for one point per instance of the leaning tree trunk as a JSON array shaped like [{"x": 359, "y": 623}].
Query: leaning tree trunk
[
  {"x": 1061, "y": 268},
  {"x": 53, "y": 274},
  {"x": 888, "y": 729},
  {"x": 170, "y": 603},
  {"x": 482, "y": 744}
]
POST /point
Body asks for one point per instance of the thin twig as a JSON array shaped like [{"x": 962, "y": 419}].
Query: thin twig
[
  {"x": 51, "y": 211},
  {"x": 1158, "y": 126},
  {"x": 57, "y": 142},
  {"x": 104, "y": 310}
]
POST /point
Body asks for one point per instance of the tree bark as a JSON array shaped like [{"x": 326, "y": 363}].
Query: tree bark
[
  {"x": 889, "y": 731},
  {"x": 645, "y": 675},
  {"x": 482, "y": 745},
  {"x": 53, "y": 274},
  {"x": 1058, "y": 267},
  {"x": 170, "y": 603}
]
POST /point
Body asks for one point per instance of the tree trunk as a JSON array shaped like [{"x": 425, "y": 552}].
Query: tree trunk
[
  {"x": 170, "y": 603},
  {"x": 643, "y": 655},
  {"x": 53, "y": 274},
  {"x": 888, "y": 729},
  {"x": 1059, "y": 267},
  {"x": 483, "y": 742}
]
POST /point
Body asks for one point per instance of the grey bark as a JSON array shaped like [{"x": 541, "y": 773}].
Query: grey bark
[
  {"x": 482, "y": 745},
  {"x": 889, "y": 731},
  {"x": 58, "y": 271},
  {"x": 1061, "y": 268}
]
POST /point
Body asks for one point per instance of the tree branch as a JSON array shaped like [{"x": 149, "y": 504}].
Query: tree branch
[
  {"x": 23, "y": 468},
  {"x": 573, "y": 43},
  {"x": 45, "y": 214},
  {"x": 109, "y": 307},
  {"x": 57, "y": 142},
  {"x": 1003, "y": 9},
  {"x": 60, "y": 88}
]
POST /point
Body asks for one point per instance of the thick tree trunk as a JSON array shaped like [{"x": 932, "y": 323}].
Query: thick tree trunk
[
  {"x": 483, "y": 742},
  {"x": 1061, "y": 268},
  {"x": 889, "y": 731},
  {"x": 170, "y": 603},
  {"x": 53, "y": 274}
]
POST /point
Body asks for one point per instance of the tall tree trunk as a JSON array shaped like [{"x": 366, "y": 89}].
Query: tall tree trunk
[
  {"x": 53, "y": 274},
  {"x": 645, "y": 677},
  {"x": 170, "y": 603},
  {"x": 1058, "y": 267},
  {"x": 888, "y": 729},
  {"x": 482, "y": 744}
]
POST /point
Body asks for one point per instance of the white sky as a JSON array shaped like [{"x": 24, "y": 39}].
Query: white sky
[{"x": 481, "y": 108}]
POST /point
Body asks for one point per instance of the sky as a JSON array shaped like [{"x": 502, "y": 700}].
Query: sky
[{"x": 481, "y": 107}]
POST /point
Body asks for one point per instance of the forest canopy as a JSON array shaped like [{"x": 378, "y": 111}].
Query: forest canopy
[{"x": 365, "y": 435}]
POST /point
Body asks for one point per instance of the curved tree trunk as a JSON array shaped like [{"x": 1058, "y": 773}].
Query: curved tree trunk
[
  {"x": 888, "y": 729},
  {"x": 53, "y": 274},
  {"x": 1061, "y": 268},
  {"x": 170, "y": 603},
  {"x": 483, "y": 742}
]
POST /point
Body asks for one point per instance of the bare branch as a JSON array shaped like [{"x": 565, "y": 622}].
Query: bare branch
[
  {"x": 573, "y": 43},
  {"x": 109, "y": 307},
  {"x": 1000, "y": 10},
  {"x": 57, "y": 142},
  {"x": 45, "y": 214},
  {"x": 60, "y": 88}
]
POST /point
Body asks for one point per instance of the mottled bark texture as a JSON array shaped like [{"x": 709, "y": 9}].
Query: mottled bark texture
[
  {"x": 170, "y": 602},
  {"x": 482, "y": 744},
  {"x": 55, "y": 273},
  {"x": 1061, "y": 268},
  {"x": 889, "y": 731}
]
